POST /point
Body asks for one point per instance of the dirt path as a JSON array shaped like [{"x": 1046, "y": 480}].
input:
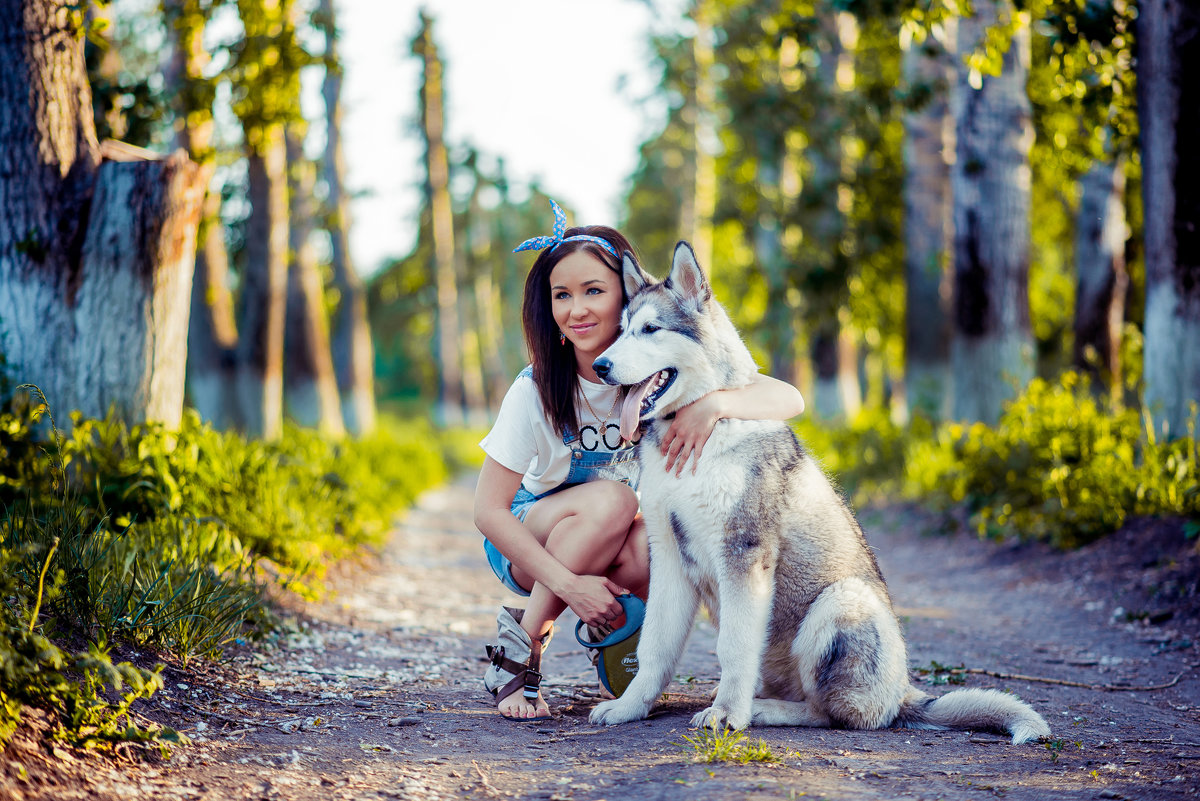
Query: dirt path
[{"x": 378, "y": 695}]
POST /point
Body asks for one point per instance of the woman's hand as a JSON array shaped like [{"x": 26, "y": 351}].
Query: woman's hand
[
  {"x": 593, "y": 598},
  {"x": 691, "y": 428},
  {"x": 763, "y": 398}
]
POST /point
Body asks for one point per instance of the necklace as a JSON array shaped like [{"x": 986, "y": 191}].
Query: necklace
[{"x": 593, "y": 411}]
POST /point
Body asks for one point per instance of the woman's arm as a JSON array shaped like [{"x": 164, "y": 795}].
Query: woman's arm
[
  {"x": 588, "y": 596},
  {"x": 764, "y": 398}
]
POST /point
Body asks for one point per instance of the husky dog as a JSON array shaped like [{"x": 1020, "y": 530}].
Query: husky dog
[{"x": 806, "y": 631}]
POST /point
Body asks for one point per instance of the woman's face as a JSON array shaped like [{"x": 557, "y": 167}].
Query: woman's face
[{"x": 585, "y": 298}]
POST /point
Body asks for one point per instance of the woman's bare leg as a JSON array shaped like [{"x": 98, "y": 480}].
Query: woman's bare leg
[{"x": 591, "y": 530}]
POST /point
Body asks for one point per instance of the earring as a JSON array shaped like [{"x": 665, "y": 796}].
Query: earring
[{"x": 562, "y": 338}]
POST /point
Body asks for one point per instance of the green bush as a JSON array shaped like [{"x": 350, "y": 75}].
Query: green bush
[
  {"x": 36, "y": 672},
  {"x": 1060, "y": 466},
  {"x": 864, "y": 457},
  {"x": 166, "y": 540}
]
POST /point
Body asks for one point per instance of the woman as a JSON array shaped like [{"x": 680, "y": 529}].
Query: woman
[{"x": 557, "y": 529}]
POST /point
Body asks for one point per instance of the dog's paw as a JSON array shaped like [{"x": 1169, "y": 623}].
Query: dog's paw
[
  {"x": 610, "y": 713},
  {"x": 718, "y": 718}
]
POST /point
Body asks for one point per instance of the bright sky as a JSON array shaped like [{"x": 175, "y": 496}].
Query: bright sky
[{"x": 559, "y": 88}]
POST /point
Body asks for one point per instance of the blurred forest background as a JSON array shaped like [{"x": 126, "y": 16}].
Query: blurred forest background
[{"x": 967, "y": 231}]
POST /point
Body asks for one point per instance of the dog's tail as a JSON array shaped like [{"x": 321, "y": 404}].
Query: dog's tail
[{"x": 989, "y": 710}]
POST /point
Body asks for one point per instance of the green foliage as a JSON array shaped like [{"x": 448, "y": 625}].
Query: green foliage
[
  {"x": 165, "y": 541},
  {"x": 727, "y": 746},
  {"x": 1059, "y": 466},
  {"x": 36, "y": 672},
  {"x": 866, "y": 455},
  {"x": 302, "y": 502}
]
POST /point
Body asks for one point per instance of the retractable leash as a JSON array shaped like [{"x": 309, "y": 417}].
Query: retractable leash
[{"x": 617, "y": 663}]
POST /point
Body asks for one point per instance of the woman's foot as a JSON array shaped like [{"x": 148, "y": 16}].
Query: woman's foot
[{"x": 517, "y": 707}]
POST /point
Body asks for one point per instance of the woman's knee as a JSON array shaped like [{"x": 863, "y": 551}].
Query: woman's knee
[{"x": 612, "y": 504}]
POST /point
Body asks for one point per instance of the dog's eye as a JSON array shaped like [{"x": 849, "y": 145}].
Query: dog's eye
[{"x": 649, "y": 328}]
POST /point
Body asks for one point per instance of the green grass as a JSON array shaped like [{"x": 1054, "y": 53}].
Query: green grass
[
  {"x": 729, "y": 745},
  {"x": 168, "y": 541}
]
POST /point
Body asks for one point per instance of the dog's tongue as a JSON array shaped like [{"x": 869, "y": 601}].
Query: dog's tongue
[{"x": 632, "y": 407}]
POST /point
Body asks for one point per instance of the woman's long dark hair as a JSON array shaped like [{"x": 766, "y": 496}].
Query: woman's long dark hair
[{"x": 554, "y": 372}]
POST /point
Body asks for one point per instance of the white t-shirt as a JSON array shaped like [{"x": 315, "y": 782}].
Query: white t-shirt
[{"x": 524, "y": 440}]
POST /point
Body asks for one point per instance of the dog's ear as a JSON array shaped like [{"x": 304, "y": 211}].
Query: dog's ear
[
  {"x": 687, "y": 279},
  {"x": 632, "y": 275}
]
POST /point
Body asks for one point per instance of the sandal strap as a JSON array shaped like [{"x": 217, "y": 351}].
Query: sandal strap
[
  {"x": 496, "y": 655},
  {"x": 526, "y": 677}
]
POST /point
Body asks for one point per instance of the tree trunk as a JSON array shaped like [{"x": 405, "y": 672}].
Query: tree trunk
[
  {"x": 449, "y": 346},
  {"x": 927, "y": 232},
  {"x": 353, "y": 352},
  {"x": 310, "y": 390},
  {"x": 768, "y": 256},
  {"x": 471, "y": 356},
  {"x": 95, "y": 259},
  {"x": 836, "y": 389},
  {"x": 264, "y": 288},
  {"x": 990, "y": 181},
  {"x": 212, "y": 332},
  {"x": 138, "y": 256},
  {"x": 487, "y": 302},
  {"x": 1169, "y": 114},
  {"x": 1100, "y": 232},
  {"x": 700, "y": 187}
]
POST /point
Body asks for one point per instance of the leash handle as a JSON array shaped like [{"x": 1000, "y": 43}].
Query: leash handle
[{"x": 635, "y": 613}]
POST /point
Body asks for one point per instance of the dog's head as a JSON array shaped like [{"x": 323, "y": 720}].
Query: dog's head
[{"x": 676, "y": 342}]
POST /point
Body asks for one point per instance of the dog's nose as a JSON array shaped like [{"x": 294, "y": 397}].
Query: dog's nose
[{"x": 602, "y": 366}]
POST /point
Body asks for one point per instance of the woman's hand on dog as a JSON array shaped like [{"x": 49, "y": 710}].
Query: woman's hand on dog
[
  {"x": 764, "y": 398},
  {"x": 691, "y": 428},
  {"x": 594, "y": 599}
]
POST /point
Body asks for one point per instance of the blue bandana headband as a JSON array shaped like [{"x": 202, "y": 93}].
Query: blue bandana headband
[{"x": 560, "y": 227}]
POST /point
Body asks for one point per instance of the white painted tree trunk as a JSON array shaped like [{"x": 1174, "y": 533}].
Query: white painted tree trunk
[
  {"x": 779, "y": 319},
  {"x": 264, "y": 290},
  {"x": 212, "y": 331},
  {"x": 837, "y": 391},
  {"x": 310, "y": 390},
  {"x": 95, "y": 260},
  {"x": 992, "y": 352},
  {"x": 1169, "y": 115},
  {"x": 353, "y": 351},
  {"x": 449, "y": 346},
  {"x": 928, "y": 146},
  {"x": 1101, "y": 280},
  {"x": 132, "y": 304},
  {"x": 700, "y": 189}
]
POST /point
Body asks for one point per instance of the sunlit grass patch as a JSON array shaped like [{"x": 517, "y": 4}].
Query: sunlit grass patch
[{"x": 709, "y": 745}]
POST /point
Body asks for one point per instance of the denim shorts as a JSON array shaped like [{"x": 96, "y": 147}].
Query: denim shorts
[{"x": 522, "y": 502}]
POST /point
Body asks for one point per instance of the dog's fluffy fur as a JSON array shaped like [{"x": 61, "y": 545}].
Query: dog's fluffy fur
[{"x": 806, "y": 631}]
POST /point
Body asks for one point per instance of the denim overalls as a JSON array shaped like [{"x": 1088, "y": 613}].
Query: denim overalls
[{"x": 586, "y": 465}]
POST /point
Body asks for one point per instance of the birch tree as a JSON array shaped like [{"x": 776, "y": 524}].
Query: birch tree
[{"x": 96, "y": 243}]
